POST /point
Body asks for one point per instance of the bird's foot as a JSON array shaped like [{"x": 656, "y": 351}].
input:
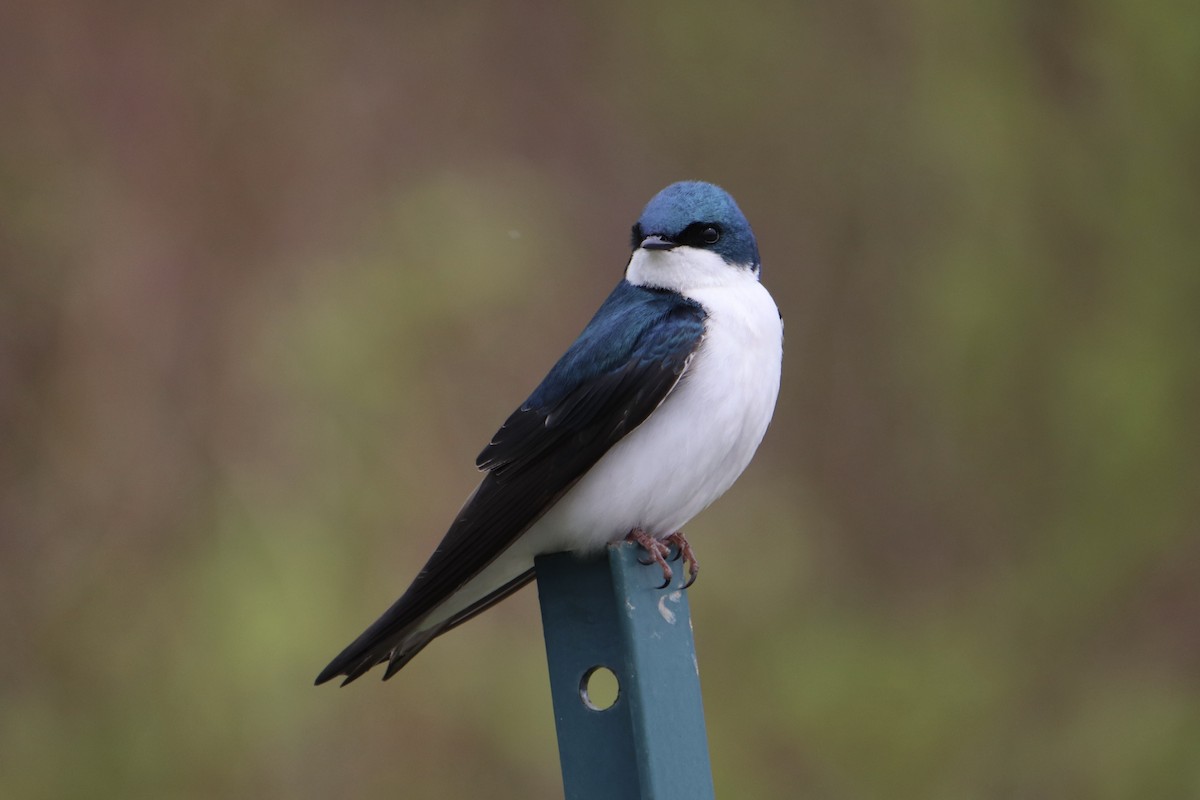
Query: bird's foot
[
  {"x": 657, "y": 551},
  {"x": 685, "y": 552},
  {"x": 660, "y": 550}
]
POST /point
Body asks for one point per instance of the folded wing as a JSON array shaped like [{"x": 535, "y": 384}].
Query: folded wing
[{"x": 624, "y": 364}]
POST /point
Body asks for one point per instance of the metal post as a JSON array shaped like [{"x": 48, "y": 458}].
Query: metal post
[{"x": 607, "y": 611}]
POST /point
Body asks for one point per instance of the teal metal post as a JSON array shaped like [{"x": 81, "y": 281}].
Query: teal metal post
[{"x": 607, "y": 611}]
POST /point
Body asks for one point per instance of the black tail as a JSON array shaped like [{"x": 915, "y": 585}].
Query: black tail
[
  {"x": 383, "y": 642},
  {"x": 368, "y": 651}
]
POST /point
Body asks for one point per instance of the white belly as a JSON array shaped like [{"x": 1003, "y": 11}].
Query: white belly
[
  {"x": 681, "y": 459},
  {"x": 696, "y": 444}
]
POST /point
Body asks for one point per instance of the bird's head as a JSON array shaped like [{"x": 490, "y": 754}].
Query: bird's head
[{"x": 691, "y": 234}]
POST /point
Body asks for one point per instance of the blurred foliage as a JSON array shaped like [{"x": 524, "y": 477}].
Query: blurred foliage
[{"x": 271, "y": 274}]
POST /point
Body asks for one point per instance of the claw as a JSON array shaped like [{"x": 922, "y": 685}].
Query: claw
[
  {"x": 656, "y": 550},
  {"x": 685, "y": 552}
]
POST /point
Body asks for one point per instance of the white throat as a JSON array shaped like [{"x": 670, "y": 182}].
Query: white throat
[{"x": 684, "y": 269}]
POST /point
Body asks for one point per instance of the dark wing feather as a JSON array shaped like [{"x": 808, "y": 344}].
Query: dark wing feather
[{"x": 621, "y": 368}]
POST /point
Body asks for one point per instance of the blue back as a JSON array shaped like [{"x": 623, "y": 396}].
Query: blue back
[{"x": 618, "y": 334}]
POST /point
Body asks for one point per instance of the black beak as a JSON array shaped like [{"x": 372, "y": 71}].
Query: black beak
[{"x": 657, "y": 242}]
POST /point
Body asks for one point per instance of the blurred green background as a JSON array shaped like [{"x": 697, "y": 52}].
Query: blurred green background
[{"x": 272, "y": 273}]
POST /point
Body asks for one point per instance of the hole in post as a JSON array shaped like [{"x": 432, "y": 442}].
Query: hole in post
[{"x": 599, "y": 688}]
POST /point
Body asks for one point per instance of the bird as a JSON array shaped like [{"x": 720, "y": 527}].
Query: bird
[{"x": 650, "y": 415}]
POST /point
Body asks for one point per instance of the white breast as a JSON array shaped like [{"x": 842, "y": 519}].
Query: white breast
[
  {"x": 691, "y": 449},
  {"x": 696, "y": 444}
]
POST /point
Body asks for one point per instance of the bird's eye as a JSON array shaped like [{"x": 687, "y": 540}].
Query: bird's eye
[
  {"x": 700, "y": 234},
  {"x": 636, "y": 236}
]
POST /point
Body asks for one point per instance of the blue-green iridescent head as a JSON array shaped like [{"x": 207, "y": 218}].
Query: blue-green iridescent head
[{"x": 701, "y": 215}]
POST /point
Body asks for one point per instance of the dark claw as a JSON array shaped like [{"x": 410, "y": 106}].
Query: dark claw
[
  {"x": 685, "y": 552},
  {"x": 668, "y": 573},
  {"x": 655, "y": 549}
]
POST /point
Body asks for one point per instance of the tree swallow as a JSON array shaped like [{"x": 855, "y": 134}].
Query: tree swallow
[{"x": 648, "y": 417}]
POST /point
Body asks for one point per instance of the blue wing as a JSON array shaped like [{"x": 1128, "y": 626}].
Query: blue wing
[
  {"x": 620, "y": 368},
  {"x": 624, "y": 364}
]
